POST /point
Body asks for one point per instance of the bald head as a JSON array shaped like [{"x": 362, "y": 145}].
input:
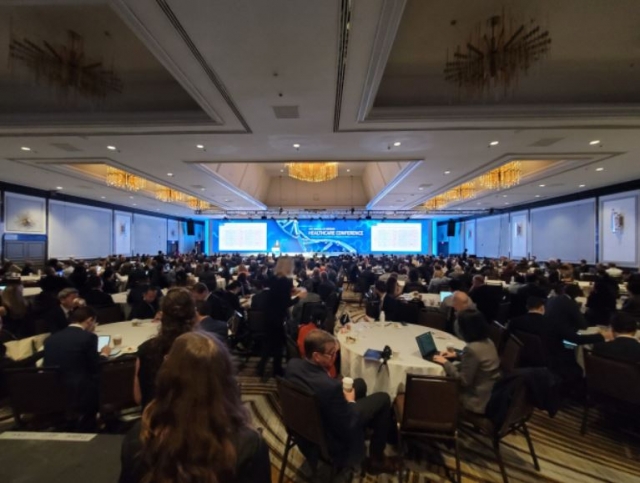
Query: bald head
[{"x": 461, "y": 301}]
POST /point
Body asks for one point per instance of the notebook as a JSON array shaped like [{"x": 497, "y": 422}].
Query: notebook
[
  {"x": 373, "y": 355},
  {"x": 427, "y": 346}
]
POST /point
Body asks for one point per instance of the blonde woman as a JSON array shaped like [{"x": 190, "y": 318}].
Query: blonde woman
[
  {"x": 282, "y": 295},
  {"x": 16, "y": 311}
]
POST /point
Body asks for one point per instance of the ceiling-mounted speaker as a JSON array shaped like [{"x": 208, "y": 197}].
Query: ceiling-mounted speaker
[
  {"x": 191, "y": 229},
  {"x": 451, "y": 228}
]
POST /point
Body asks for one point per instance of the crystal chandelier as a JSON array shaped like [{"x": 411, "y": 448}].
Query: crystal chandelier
[
  {"x": 313, "y": 172},
  {"x": 168, "y": 195},
  {"x": 436, "y": 203},
  {"x": 197, "y": 204},
  {"x": 503, "y": 177},
  {"x": 120, "y": 179},
  {"x": 496, "y": 55}
]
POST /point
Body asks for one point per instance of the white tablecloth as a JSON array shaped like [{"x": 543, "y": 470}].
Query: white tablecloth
[
  {"x": 375, "y": 335},
  {"x": 30, "y": 278},
  {"x": 31, "y": 291},
  {"x": 120, "y": 298},
  {"x": 221, "y": 283},
  {"x": 132, "y": 336},
  {"x": 429, "y": 299}
]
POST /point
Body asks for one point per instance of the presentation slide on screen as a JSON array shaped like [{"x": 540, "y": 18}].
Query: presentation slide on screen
[{"x": 320, "y": 236}]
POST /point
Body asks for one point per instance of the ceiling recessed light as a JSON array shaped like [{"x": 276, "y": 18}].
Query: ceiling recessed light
[
  {"x": 134, "y": 204},
  {"x": 25, "y": 148},
  {"x": 58, "y": 187},
  {"x": 169, "y": 174},
  {"x": 582, "y": 186},
  {"x": 542, "y": 185},
  {"x": 200, "y": 146},
  {"x": 504, "y": 196},
  {"x": 447, "y": 172},
  {"x": 130, "y": 197},
  {"x": 226, "y": 200},
  {"x": 348, "y": 170},
  {"x": 599, "y": 169},
  {"x": 282, "y": 170},
  {"x": 507, "y": 203},
  {"x": 112, "y": 148},
  {"x": 397, "y": 143},
  {"x": 103, "y": 197},
  {"x": 594, "y": 142},
  {"x": 202, "y": 189},
  {"x": 537, "y": 196},
  {"x": 420, "y": 188},
  {"x": 494, "y": 143},
  {"x": 296, "y": 145},
  {"x": 479, "y": 203}
]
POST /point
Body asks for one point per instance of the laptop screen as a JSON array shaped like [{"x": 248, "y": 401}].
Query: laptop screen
[
  {"x": 427, "y": 345},
  {"x": 103, "y": 340},
  {"x": 444, "y": 295}
]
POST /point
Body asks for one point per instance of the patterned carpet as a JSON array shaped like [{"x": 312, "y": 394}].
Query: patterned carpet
[{"x": 610, "y": 452}]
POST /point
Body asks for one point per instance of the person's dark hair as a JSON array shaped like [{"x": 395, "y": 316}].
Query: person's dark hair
[
  {"x": 82, "y": 313},
  {"x": 187, "y": 430},
  {"x": 178, "y": 311},
  {"x": 233, "y": 285},
  {"x": 203, "y": 308},
  {"x": 534, "y": 303},
  {"x": 94, "y": 282},
  {"x": 200, "y": 288},
  {"x": 316, "y": 340},
  {"x": 473, "y": 326},
  {"x": 414, "y": 275},
  {"x": 633, "y": 285},
  {"x": 324, "y": 277},
  {"x": 623, "y": 323},
  {"x": 392, "y": 285},
  {"x": 381, "y": 286}
]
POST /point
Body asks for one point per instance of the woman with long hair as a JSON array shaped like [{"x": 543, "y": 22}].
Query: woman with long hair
[
  {"x": 281, "y": 297},
  {"x": 196, "y": 430},
  {"x": 178, "y": 316},
  {"x": 16, "y": 311}
]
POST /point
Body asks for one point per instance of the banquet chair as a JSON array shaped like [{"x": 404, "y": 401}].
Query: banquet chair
[
  {"x": 623, "y": 390},
  {"x": 38, "y": 393},
  {"x": 301, "y": 418},
  {"x": 116, "y": 381},
  {"x": 519, "y": 411},
  {"x": 428, "y": 410},
  {"x": 534, "y": 353},
  {"x": 407, "y": 312},
  {"x": 109, "y": 314},
  {"x": 510, "y": 355},
  {"x": 433, "y": 318},
  {"x": 309, "y": 309},
  {"x": 497, "y": 334}
]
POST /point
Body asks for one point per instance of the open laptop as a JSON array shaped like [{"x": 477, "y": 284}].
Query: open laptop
[
  {"x": 444, "y": 295},
  {"x": 427, "y": 346},
  {"x": 103, "y": 340}
]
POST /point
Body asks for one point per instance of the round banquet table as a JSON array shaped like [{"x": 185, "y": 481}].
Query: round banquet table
[
  {"x": 375, "y": 335},
  {"x": 132, "y": 336}
]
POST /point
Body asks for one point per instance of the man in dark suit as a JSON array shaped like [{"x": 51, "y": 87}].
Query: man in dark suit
[
  {"x": 95, "y": 297},
  {"x": 624, "y": 346},
  {"x": 219, "y": 308},
  {"x": 552, "y": 335},
  {"x": 205, "y": 322},
  {"x": 58, "y": 318},
  {"x": 326, "y": 287},
  {"x": 344, "y": 418},
  {"x": 260, "y": 300},
  {"x": 486, "y": 297},
  {"x": 531, "y": 288},
  {"x": 148, "y": 308},
  {"x": 565, "y": 312},
  {"x": 386, "y": 303},
  {"x": 74, "y": 350}
]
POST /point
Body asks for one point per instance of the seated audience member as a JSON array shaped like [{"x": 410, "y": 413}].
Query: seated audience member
[
  {"x": 196, "y": 429},
  {"x": 315, "y": 323},
  {"x": 414, "y": 285},
  {"x": 393, "y": 287},
  {"x": 148, "y": 308},
  {"x": 344, "y": 418},
  {"x": 326, "y": 287},
  {"x": 58, "y": 318},
  {"x": 563, "y": 311},
  {"x": 260, "y": 300},
  {"x": 219, "y": 309},
  {"x": 136, "y": 294},
  {"x": 94, "y": 296},
  {"x": 614, "y": 271},
  {"x": 208, "y": 277},
  {"x": 51, "y": 282},
  {"x": 74, "y": 350},
  {"x": 601, "y": 302},
  {"x": 231, "y": 295},
  {"x": 624, "y": 345},
  {"x": 109, "y": 281},
  {"x": 453, "y": 305},
  {"x": 437, "y": 281},
  {"x": 205, "y": 322},
  {"x": 553, "y": 332},
  {"x": 531, "y": 288},
  {"x": 178, "y": 317},
  {"x": 298, "y": 309},
  {"x": 486, "y": 297},
  {"x": 17, "y": 312},
  {"x": 479, "y": 367},
  {"x": 27, "y": 269},
  {"x": 243, "y": 282},
  {"x": 386, "y": 304},
  {"x": 631, "y": 306}
]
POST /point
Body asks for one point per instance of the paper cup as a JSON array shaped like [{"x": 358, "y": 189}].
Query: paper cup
[
  {"x": 347, "y": 384},
  {"x": 117, "y": 340}
]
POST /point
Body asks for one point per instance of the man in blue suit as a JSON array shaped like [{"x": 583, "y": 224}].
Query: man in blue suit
[{"x": 344, "y": 418}]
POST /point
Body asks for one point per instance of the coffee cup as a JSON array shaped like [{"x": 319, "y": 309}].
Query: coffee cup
[
  {"x": 117, "y": 340},
  {"x": 347, "y": 384}
]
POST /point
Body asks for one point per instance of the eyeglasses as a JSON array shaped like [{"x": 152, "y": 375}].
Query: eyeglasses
[{"x": 330, "y": 354}]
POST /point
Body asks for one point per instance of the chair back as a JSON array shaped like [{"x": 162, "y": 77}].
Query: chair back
[
  {"x": 510, "y": 356},
  {"x": 309, "y": 309},
  {"x": 534, "y": 352},
  {"x": 431, "y": 405},
  {"x": 497, "y": 333},
  {"x": 407, "y": 312},
  {"x": 520, "y": 409},
  {"x": 503, "y": 312},
  {"x": 36, "y": 391},
  {"x": 612, "y": 378},
  {"x": 433, "y": 318},
  {"x": 109, "y": 314},
  {"x": 116, "y": 385},
  {"x": 301, "y": 415}
]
